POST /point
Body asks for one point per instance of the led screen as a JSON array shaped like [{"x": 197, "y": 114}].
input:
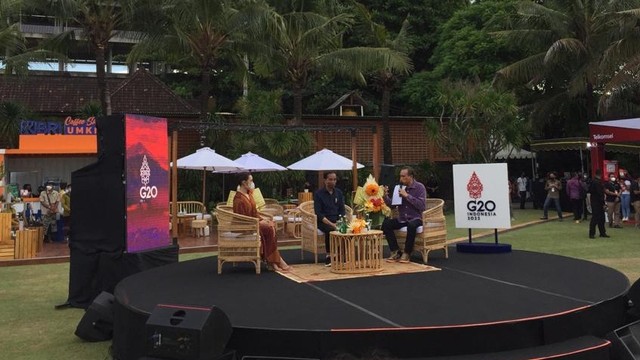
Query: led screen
[{"x": 147, "y": 183}]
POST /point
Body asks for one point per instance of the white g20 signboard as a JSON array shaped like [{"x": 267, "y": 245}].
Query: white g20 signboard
[{"x": 481, "y": 193}]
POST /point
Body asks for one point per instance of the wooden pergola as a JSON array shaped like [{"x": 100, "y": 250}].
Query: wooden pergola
[{"x": 204, "y": 126}]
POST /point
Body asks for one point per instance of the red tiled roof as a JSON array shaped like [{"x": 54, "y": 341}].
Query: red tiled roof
[{"x": 66, "y": 94}]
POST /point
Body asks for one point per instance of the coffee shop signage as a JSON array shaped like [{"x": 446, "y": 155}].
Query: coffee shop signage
[{"x": 70, "y": 126}]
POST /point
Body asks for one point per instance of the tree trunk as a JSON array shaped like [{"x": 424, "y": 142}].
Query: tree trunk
[
  {"x": 205, "y": 85},
  {"x": 386, "y": 126},
  {"x": 592, "y": 110},
  {"x": 297, "y": 105},
  {"x": 103, "y": 86}
]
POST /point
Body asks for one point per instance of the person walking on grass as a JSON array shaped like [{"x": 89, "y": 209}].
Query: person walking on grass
[
  {"x": 552, "y": 187},
  {"x": 523, "y": 185}
]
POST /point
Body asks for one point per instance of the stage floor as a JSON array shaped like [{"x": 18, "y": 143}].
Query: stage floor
[{"x": 523, "y": 298}]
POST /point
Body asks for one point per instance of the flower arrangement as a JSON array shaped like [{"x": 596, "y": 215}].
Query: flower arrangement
[
  {"x": 357, "y": 226},
  {"x": 369, "y": 200}
]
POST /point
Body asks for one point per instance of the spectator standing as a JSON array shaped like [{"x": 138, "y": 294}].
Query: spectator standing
[
  {"x": 586, "y": 184},
  {"x": 574, "y": 191},
  {"x": 552, "y": 187},
  {"x": 596, "y": 189},
  {"x": 523, "y": 184},
  {"x": 66, "y": 211},
  {"x": 538, "y": 193},
  {"x": 49, "y": 203},
  {"x": 625, "y": 198},
  {"x": 612, "y": 197}
]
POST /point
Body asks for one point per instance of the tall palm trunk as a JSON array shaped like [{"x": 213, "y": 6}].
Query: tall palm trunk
[
  {"x": 103, "y": 86},
  {"x": 205, "y": 85},
  {"x": 592, "y": 111},
  {"x": 386, "y": 126},
  {"x": 297, "y": 105}
]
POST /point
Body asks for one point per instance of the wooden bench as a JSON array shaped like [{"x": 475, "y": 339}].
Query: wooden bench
[
  {"x": 26, "y": 243},
  {"x": 5, "y": 226},
  {"x": 432, "y": 235}
]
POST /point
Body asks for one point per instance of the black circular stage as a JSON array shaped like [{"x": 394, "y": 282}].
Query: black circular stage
[{"x": 500, "y": 305}]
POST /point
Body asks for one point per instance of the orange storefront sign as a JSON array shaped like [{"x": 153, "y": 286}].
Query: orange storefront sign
[{"x": 55, "y": 144}]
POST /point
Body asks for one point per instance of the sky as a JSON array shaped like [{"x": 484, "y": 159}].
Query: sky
[{"x": 87, "y": 68}]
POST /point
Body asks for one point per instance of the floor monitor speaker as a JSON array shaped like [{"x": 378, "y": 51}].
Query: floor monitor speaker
[
  {"x": 187, "y": 332},
  {"x": 97, "y": 322},
  {"x": 626, "y": 342}
]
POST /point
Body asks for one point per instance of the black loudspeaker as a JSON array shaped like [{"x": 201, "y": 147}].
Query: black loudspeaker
[
  {"x": 99, "y": 205},
  {"x": 387, "y": 175},
  {"x": 111, "y": 137},
  {"x": 187, "y": 332},
  {"x": 625, "y": 342},
  {"x": 97, "y": 322},
  {"x": 634, "y": 296}
]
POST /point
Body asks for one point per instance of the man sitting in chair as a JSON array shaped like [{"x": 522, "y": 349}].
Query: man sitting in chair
[
  {"x": 328, "y": 204},
  {"x": 413, "y": 195}
]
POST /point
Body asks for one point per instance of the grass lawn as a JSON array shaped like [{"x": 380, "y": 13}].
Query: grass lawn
[{"x": 31, "y": 329}]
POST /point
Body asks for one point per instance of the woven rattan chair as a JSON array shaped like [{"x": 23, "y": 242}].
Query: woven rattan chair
[
  {"x": 275, "y": 212},
  {"x": 312, "y": 238},
  {"x": 432, "y": 235},
  {"x": 238, "y": 238}
]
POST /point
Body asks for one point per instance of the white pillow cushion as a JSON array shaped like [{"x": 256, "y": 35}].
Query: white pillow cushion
[{"x": 418, "y": 230}]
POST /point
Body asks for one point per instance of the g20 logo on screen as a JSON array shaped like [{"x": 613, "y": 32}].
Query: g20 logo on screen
[
  {"x": 476, "y": 209},
  {"x": 146, "y": 191}
]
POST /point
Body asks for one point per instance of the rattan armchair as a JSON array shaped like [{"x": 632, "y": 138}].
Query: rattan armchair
[
  {"x": 432, "y": 235},
  {"x": 275, "y": 212},
  {"x": 312, "y": 238},
  {"x": 238, "y": 238}
]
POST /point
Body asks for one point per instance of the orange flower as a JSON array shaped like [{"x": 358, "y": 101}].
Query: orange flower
[
  {"x": 357, "y": 226},
  {"x": 371, "y": 189}
]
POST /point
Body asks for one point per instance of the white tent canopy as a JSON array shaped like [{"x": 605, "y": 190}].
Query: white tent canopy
[{"x": 510, "y": 152}]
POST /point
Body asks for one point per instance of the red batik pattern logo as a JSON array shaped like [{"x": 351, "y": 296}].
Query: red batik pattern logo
[{"x": 474, "y": 186}]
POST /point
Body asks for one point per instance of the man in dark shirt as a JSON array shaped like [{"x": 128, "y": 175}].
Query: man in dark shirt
[
  {"x": 328, "y": 204},
  {"x": 612, "y": 197},
  {"x": 596, "y": 191},
  {"x": 414, "y": 202}
]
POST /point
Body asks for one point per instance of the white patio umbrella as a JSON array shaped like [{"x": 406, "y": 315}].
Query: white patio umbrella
[
  {"x": 206, "y": 159},
  {"x": 254, "y": 163},
  {"x": 322, "y": 160}
]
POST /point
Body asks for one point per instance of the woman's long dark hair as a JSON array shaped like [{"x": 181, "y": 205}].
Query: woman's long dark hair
[{"x": 243, "y": 176}]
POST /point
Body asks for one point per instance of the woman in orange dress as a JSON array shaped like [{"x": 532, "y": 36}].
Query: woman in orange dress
[{"x": 244, "y": 204}]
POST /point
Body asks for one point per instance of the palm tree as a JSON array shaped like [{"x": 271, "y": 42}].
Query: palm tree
[
  {"x": 11, "y": 114},
  {"x": 307, "y": 38},
  {"x": 622, "y": 59},
  {"x": 567, "y": 39},
  {"x": 385, "y": 77},
  {"x": 11, "y": 40},
  {"x": 14, "y": 49},
  {"x": 98, "y": 22},
  {"x": 202, "y": 32}
]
